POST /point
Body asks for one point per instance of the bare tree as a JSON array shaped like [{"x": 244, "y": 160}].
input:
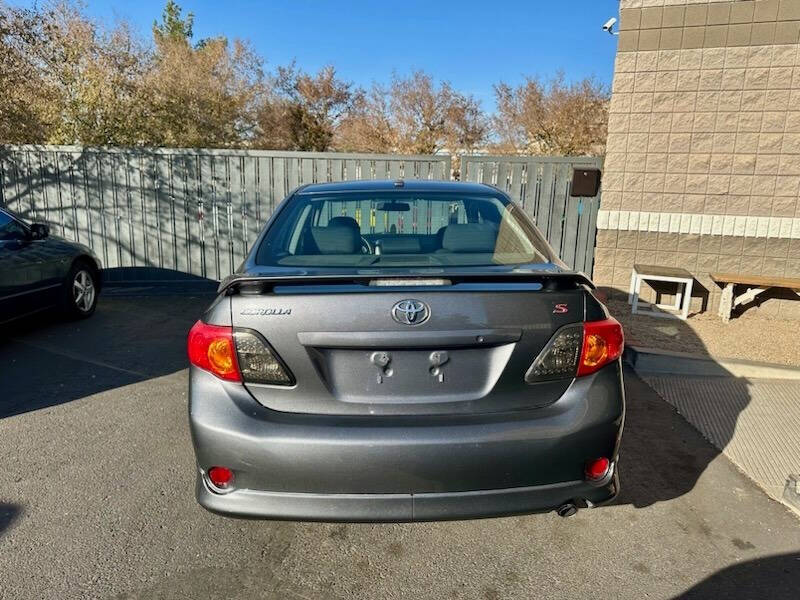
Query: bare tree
[
  {"x": 415, "y": 116},
  {"x": 552, "y": 117},
  {"x": 368, "y": 125}
]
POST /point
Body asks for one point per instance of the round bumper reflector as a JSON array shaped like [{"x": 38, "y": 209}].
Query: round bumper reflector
[
  {"x": 597, "y": 469},
  {"x": 221, "y": 477}
]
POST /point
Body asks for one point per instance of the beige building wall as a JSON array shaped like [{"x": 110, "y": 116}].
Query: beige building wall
[{"x": 702, "y": 167}]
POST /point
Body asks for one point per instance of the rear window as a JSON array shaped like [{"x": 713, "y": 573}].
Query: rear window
[{"x": 398, "y": 229}]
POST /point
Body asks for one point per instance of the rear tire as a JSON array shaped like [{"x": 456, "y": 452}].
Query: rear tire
[{"x": 80, "y": 291}]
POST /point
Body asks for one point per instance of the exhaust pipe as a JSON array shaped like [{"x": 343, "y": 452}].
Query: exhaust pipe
[{"x": 566, "y": 510}]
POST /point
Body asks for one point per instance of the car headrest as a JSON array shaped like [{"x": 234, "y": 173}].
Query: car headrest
[
  {"x": 335, "y": 239},
  {"x": 402, "y": 244},
  {"x": 470, "y": 237},
  {"x": 344, "y": 222}
]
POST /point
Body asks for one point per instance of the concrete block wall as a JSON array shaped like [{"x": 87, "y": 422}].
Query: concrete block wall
[{"x": 702, "y": 166}]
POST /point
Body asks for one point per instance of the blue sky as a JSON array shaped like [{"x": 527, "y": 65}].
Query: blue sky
[{"x": 472, "y": 44}]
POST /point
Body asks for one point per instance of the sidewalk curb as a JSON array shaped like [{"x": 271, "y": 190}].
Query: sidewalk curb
[
  {"x": 652, "y": 361},
  {"x": 791, "y": 493}
]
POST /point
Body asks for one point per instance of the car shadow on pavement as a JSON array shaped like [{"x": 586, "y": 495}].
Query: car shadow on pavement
[
  {"x": 49, "y": 361},
  {"x": 774, "y": 577},
  {"x": 8, "y": 514},
  {"x": 662, "y": 455}
]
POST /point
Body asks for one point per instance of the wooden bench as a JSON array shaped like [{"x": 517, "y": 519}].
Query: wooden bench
[
  {"x": 683, "y": 296},
  {"x": 755, "y": 284}
]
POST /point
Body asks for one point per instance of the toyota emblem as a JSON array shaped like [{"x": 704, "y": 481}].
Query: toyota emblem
[{"x": 410, "y": 312}]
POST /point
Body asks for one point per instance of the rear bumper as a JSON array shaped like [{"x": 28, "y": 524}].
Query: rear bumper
[
  {"x": 404, "y": 507},
  {"x": 307, "y": 467}
]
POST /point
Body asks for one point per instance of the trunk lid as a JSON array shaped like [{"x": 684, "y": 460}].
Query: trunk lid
[{"x": 361, "y": 346}]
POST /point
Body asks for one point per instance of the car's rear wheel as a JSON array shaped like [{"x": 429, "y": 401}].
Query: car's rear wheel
[{"x": 80, "y": 294}]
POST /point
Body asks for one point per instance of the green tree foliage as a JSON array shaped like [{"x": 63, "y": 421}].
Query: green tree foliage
[{"x": 174, "y": 26}]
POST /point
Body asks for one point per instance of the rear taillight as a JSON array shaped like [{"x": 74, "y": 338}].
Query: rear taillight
[
  {"x": 236, "y": 355},
  {"x": 211, "y": 348},
  {"x": 603, "y": 343},
  {"x": 258, "y": 362},
  {"x": 577, "y": 349}
]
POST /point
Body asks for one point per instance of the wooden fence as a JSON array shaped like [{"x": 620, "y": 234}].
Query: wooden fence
[{"x": 197, "y": 211}]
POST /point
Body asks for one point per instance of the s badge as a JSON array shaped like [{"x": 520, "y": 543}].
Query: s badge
[{"x": 560, "y": 309}]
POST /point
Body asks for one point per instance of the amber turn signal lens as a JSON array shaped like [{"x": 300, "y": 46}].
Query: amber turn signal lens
[
  {"x": 603, "y": 342},
  {"x": 211, "y": 348},
  {"x": 596, "y": 350},
  {"x": 220, "y": 355}
]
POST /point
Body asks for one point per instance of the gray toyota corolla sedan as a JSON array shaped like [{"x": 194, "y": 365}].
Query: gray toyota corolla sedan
[{"x": 398, "y": 351}]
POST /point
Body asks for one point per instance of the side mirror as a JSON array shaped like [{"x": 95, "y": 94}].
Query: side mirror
[{"x": 39, "y": 231}]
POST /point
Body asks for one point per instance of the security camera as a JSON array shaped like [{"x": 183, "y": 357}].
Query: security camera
[{"x": 609, "y": 26}]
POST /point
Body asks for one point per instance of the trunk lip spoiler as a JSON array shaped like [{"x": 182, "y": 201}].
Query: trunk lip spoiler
[{"x": 232, "y": 282}]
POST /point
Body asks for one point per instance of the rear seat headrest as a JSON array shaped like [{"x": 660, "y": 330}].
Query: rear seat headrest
[
  {"x": 337, "y": 239},
  {"x": 470, "y": 237}
]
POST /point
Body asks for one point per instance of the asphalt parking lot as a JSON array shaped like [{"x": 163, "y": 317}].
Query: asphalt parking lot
[{"x": 96, "y": 498}]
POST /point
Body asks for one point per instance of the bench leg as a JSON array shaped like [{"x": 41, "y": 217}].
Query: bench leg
[
  {"x": 726, "y": 303},
  {"x": 637, "y": 286},
  {"x": 687, "y": 299},
  {"x": 632, "y": 287}
]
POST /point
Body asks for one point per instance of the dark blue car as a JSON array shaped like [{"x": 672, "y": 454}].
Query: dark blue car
[{"x": 39, "y": 271}]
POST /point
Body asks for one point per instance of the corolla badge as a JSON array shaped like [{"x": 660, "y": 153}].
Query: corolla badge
[{"x": 410, "y": 312}]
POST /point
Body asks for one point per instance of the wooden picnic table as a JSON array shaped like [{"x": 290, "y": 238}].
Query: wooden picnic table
[{"x": 755, "y": 284}]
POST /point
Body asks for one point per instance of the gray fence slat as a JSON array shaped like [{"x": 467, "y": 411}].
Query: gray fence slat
[
  {"x": 264, "y": 204},
  {"x": 279, "y": 179},
  {"x": 207, "y": 219},
  {"x": 365, "y": 169},
  {"x": 591, "y": 208},
  {"x": 122, "y": 209},
  {"x": 532, "y": 189},
  {"x": 515, "y": 187},
  {"x": 350, "y": 170},
  {"x": 36, "y": 202},
  {"x": 558, "y": 211},
  {"x": 66, "y": 224},
  {"x": 395, "y": 169},
  {"x": 545, "y": 203},
  {"x": 321, "y": 170},
  {"x": 137, "y": 175},
  {"x": 502, "y": 176},
  {"x": 160, "y": 225},
  {"x": 181, "y": 212},
  {"x": 237, "y": 211},
  {"x": 293, "y": 172},
  {"x": 337, "y": 169},
  {"x": 487, "y": 173},
  {"x": 307, "y": 171},
  {"x": 252, "y": 222},
  {"x": 223, "y": 221},
  {"x": 108, "y": 210},
  {"x": 570, "y": 232},
  {"x": 194, "y": 206}
]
